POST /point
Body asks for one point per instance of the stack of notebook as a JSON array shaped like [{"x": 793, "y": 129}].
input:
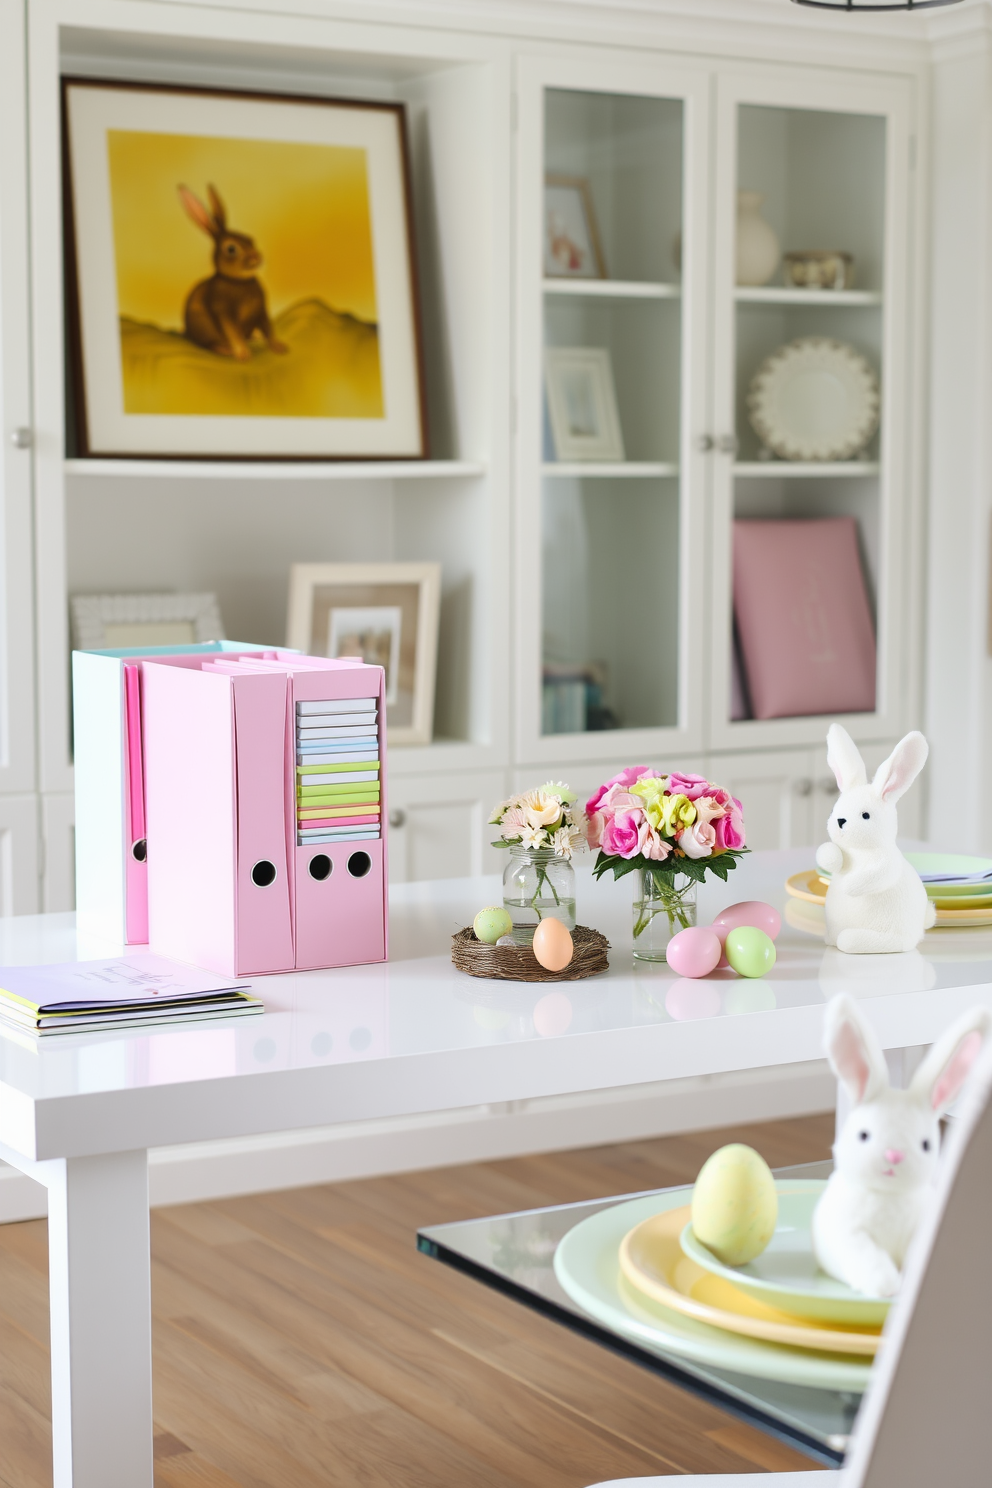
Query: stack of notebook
[
  {"x": 139, "y": 990},
  {"x": 337, "y": 770}
]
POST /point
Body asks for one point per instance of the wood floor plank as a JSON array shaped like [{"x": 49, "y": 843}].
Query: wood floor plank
[{"x": 300, "y": 1341}]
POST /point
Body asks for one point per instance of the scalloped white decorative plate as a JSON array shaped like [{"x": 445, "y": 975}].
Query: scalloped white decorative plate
[{"x": 814, "y": 399}]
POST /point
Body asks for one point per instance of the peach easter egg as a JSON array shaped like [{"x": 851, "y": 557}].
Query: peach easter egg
[
  {"x": 552, "y": 945},
  {"x": 751, "y": 912},
  {"x": 694, "y": 952}
]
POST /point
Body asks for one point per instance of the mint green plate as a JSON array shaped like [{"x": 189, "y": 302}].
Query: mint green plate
[
  {"x": 949, "y": 863},
  {"x": 587, "y": 1266},
  {"x": 786, "y": 1274}
]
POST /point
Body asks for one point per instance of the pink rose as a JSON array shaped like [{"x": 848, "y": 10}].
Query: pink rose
[
  {"x": 689, "y": 785},
  {"x": 650, "y": 844},
  {"x": 621, "y": 834},
  {"x": 626, "y": 778},
  {"x": 594, "y": 828},
  {"x": 730, "y": 828},
  {"x": 618, "y": 798},
  {"x": 708, "y": 808},
  {"x": 698, "y": 840}
]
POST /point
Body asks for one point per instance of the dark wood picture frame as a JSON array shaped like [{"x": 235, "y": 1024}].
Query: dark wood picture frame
[{"x": 79, "y": 400}]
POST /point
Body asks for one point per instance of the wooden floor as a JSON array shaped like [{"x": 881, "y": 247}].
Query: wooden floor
[{"x": 300, "y": 1340}]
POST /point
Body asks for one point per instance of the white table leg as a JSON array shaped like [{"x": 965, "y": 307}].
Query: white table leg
[{"x": 100, "y": 1281}]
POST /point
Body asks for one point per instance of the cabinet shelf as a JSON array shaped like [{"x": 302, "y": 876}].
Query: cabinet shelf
[
  {"x": 613, "y": 289},
  {"x": 819, "y": 297},
  {"x": 815, "y": 469},
  {"x": 288, "y": 470},
  {"x": 627, "y": 469}
]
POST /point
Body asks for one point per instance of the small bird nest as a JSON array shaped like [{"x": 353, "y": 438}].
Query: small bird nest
[{"x": 519, "y": 964}]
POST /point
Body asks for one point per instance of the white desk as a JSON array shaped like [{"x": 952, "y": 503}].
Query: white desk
[{"x": 411, "y": 1036}]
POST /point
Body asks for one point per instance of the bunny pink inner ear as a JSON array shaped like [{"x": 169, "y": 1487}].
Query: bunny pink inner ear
[
  {"x": 851, "y": 1060},
  {"x": 948, "y": 1086},
  {"x": 896, "y": 774}
]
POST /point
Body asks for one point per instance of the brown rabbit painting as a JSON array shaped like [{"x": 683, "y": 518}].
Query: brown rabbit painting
[{"x": 268, "y": 308}]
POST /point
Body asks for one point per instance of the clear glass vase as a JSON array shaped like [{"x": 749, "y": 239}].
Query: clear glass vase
[
  {"x": 537, "y": 886},
  {"x": 662, "y": 907}
]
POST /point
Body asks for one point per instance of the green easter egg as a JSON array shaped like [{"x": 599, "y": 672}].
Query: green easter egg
[
  {"x": 490, "y": 924},
  {"x": 750, "y": 952}
]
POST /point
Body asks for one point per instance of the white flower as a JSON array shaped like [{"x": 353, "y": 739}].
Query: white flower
[
  {"x": 542, "y": 810},
  {"x": 533, "y": 836},
  {"x": 565, "y": 841}
]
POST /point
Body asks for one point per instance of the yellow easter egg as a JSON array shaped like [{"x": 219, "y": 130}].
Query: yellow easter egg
[
  {"x": 552, "y": 945},
  {"x": 734, "y": 1204}
]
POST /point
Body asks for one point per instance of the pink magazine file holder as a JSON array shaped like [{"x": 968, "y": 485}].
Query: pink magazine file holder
[{"x": 340, "y": 892}]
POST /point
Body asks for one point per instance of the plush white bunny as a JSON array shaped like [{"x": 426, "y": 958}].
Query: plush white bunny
[
  {"x": 885, "y": 1156},
  {"x": 876, "y": 901}
]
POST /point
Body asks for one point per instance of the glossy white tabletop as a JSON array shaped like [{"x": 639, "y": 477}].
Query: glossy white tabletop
[{"x": 415, "y": 1035}]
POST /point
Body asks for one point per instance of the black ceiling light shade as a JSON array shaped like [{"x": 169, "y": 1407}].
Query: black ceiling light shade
[{"x": 852, "y": 5}]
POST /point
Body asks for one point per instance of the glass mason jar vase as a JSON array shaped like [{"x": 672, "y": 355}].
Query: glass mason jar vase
[
  {"x": 537, "y": 886},
  {"x": 662, "y": 908}
]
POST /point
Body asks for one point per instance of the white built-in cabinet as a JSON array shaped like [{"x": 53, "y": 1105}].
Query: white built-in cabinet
[{"x": 545, "y": 566}]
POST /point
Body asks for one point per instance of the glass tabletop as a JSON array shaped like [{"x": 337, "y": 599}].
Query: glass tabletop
[{"x": 515, "y": 1254}]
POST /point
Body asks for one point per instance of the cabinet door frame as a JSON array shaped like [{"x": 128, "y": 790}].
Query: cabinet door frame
[
  {"x": 624, "y": 74},
  {"x": 893, "y": 98},
  {"x": 17, "y": 619}
]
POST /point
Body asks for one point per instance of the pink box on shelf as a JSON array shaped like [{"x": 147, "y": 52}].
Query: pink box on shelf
[
  {"x": 254, "y": 869},
  {"x": 806, "y": 634}
]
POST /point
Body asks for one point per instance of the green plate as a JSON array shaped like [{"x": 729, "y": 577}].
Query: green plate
[
  {"x": 786, "y": 1274},
  {"x": 952, "y": 863},
  {"x": 587, "y": 1266}
]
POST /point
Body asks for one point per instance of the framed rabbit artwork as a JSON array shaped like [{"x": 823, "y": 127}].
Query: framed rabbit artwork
[{"x": 241, "y": 276}]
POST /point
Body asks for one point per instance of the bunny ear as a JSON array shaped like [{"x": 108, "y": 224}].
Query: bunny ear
[
  {"x": 939, "y": 1079},
  {"x": 844, "y": 758},
  {"x": 197, "y": 211},
  {"x": 217, "y": 207},
  {"x": 853, "y": 1050},
  {"x": 895, "y": 775}
]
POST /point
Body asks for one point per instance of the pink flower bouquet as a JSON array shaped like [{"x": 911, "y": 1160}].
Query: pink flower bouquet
[{"x": 670, "y": 827}]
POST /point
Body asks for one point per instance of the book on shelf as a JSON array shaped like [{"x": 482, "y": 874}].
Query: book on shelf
[{"x": 137, "y": 990}]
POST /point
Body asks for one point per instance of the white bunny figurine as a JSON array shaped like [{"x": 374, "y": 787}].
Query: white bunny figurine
[
  {"x": 885, "y": 1156},
  {"x": 876, "y": 901}
]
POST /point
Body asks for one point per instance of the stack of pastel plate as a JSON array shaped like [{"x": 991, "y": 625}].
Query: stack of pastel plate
[
  {"x": 960, "y": 887},
  {"x": 638, "y": 1269}
]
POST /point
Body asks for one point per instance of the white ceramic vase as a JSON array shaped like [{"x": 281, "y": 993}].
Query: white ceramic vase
[{"x": 758, "y": 251}]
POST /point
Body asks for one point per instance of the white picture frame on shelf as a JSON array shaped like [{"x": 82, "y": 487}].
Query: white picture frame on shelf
[
  {"x": 582, "y": 404},
  {"x": 572, "y": 248},
  {"x": 114, "y": 622},
  {"x": 387, "y": 613}
]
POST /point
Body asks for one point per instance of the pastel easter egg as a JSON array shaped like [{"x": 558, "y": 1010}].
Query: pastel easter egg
[
  {"x": 694, "y": 952},
  {"x": 734, "y": 1204},
  {"x": 489, "y": 924},
  {"x": 749, "y": 951},
  {"x": 753, "y": 912},
  {"x": 552, "y": 945},
  {"x": 552, "y": 1014}
]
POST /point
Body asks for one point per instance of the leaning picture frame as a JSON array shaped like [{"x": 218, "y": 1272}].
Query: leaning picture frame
[
  {"x": 386, "y": 613},
  {"x": 582, "y": 404},
  {"x": 572, "y": 247},
  {"x": 241, "y": 276},
  {"x": 104, "y": 622}
]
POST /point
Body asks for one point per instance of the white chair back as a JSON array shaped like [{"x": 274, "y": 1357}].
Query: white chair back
[{"x": 927, "y": 1419}]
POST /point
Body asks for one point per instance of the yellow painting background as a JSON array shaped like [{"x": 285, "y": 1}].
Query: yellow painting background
[{"x": 307, "y": 209}]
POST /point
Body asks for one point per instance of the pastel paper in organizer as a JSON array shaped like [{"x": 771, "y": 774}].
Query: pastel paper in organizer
[{"x": 806, "y": 634}]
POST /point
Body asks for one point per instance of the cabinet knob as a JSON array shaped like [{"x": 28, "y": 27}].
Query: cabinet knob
[
  {"x": 397, "y": 818},
  {"x": 804, "y": 787},
  {"x": 22, "y": 438},
  {"x": 728, "y": 444},
  {"x": 704, "y": 443}
]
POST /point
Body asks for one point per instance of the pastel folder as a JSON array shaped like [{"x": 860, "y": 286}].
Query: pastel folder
[
  {"x": 233, "y": 885},
  {"x": 111, "y": 836}
]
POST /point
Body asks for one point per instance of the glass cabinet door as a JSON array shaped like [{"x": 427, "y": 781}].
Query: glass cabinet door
[
  {"x": 608, "y": 281},
  {"x": 810, "y": 396}
]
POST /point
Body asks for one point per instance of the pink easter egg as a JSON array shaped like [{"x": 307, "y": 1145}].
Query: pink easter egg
[
  {"x": 694, "y": 952},
  {"x": 552, "y": 1014},
  {"x": 686, "y": 1001},
  {"x": 752, "y": 912}
]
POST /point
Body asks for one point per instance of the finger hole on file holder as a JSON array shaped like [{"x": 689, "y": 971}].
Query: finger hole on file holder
[
  {"x": 319, "y": 867},
  {"x": 263, "y": 873},
  {"x": 359, "y": 864},
  {"x": 139, "y": 850}
]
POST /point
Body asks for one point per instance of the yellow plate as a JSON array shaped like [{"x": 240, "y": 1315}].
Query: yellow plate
[
  {"x": 652, "y": 1260},
  {"x": 811, "y": 887}
]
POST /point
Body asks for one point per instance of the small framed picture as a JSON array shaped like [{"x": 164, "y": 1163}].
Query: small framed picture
[
  {"x": 111, "y": 622},
  {"x": 582, "y": 403},
  {"x": 386, "y": 613},
  {"x": 571, "y": 238},
  {"x": 241, "y": 275}
]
